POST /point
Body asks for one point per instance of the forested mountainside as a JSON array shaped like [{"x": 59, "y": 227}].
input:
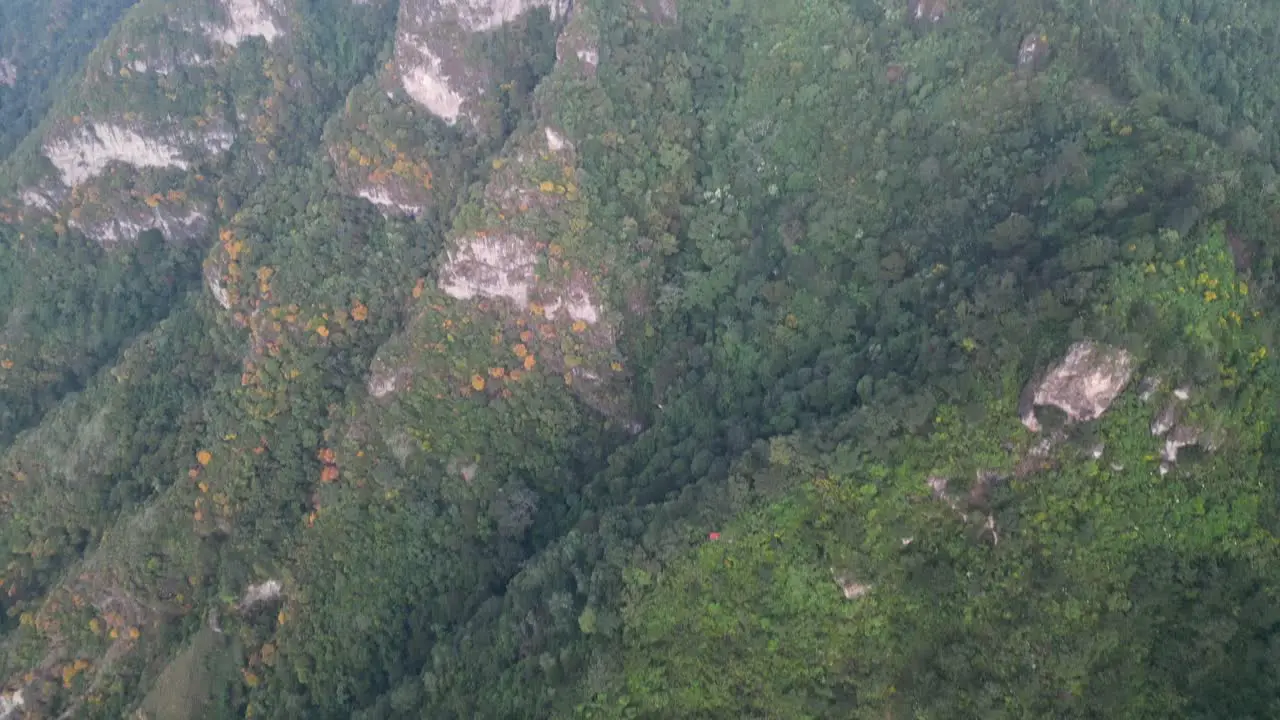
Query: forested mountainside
[{"x": 638, "y": 359}]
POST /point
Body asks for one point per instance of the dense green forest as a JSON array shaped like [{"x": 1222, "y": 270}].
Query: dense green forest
[
  {"x": 639, "y": 359},
  {"x": 43, "y": 46}
]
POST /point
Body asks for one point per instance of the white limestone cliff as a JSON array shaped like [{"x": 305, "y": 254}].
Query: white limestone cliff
[
  {"x": 125, "y": 226},
  {"x": 88, "y": 150},
  {"x": 8, "y": 72},
  {"x": 246, "y": 19},
  {"x": 1083, "y": 385},
  {"x": 382, "y": 198},
  {"x": 430, "y": 55},
  {"x": 492, "y": 266},
  {"x": 11, "y": 705},
  {"x": 213, "y": 280}
]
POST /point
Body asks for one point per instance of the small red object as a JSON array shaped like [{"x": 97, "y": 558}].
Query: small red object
[{"x": 714, "y": 535}]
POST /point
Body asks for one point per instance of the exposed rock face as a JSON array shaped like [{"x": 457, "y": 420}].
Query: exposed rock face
[
  {"x": 1038, "y": 456},
  {"x": 384, "y": 199},
  {"x": 976, "y": 499},
  {"x": 37, "y": 200},
  {"x": 86, "y": 152},
  {"x": 984, "y": 482},
  {"x": 851, "y": 588},
  {"x": 1170, "y": 424},
  {"x": 930, "y": 11},
  {"x": 1148, "y": 388},
  {"x": 495, "y": 266},
  {"x": 557, "y": 142},
  {"x": 246, "y": 19},
  {"x": 501, "y": 265},
  {"x": 1083, "y": 385},
  {"x": 82, "y": 152},
  {"x": 213, "y": 280},
  {"x": 577, "y": 45},
  {"x": 664, "y": 12},
  {"x": 385, "y": 380},
  {"x": 431, "y": 48},
  {"x": 482, "y": 15},
  {"x": 1165, "y": 421},
  {"x": 179, "y": 43},
  {"x": 8, "y": 72},
  {"x": 380, "y": 163},
  {"x": 429, "y": 83},
  {"x": 126, "y": 224},
  {"x": 11, "y": 705},
  {"x": 196, "y": 33},
  {"x": 527, "y": 266},
  {"x": 1033, "y": 52},
  {"x": 1181, "y": 436},
  {"x": 261, "y": 594},
  {"x": 938, "y": 486},
  {"x": 140, "y": 150}
]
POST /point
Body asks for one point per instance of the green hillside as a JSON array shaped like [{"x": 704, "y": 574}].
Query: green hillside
[{"x": 640, "y": 359}]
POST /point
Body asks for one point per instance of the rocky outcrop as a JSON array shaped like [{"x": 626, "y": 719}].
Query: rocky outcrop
[
  {"x": 37, "y": 200},
  {"x": 523, "y": 259},
  {"x": 431, "y": 56},
  {"x": 195, "y": 33},
  {"x": 390, "y": 201},
  {"x": 1165, "y": 420},
  {"x": 246, "y": 19},
  {"x": 502, "y": 263},
  {"x": 151, "y": 105},
  {"x": 386, "y": 380},
  {"x": 390, "y": 171},
  {"x": 927, "y": 11},
  {"x": 213, "y": 281},
  {"x": 8, "y": 72},
  {"x": 85, "y": 151},
  {"x": 1177, "y": 430},
  {"x": 116, "y": 218},
  {"x": 578, "y": 46},
  {"x": 159, "y": 50},
  {"x": 976, "y": 500},
  {"x": 850, "y": 587},
  {"x": 938, "y": 488},
  {"x": 260, "y": 595},
  {"x": 1033, "y": 53},
  {"x": 502, "y": 266},
  {"x": 1180, "y": 437},
  {"x": 11, "y": 705},
  {"x": 1083, "y": 385},
  {"x": 493, "y": 266},
  {"x": 129, "y": 224},
  {"x": 663, "y": 12},
  {"x": 1148, "y": 388},
  {"x": 43, "y": 198}
]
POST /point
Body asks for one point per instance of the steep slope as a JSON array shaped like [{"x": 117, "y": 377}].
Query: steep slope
[
  {"x": 394, "y": 133},
  {"x": 179, "y": 113},
  {"x": 449, "y": 53},
  {"x": 68, "y": 307},
  {"x": 147, "y": 140},
  {"x": 1041, "y": 588},
  {"x": 42, "y": 46},
  {"x": 645, "y": 359},
  {"x": 78, "y": 483},
  {"x": 470, "y": 441}
]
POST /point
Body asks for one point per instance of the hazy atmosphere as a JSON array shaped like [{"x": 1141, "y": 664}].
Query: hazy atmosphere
[{"x": 594, "y": 359}]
